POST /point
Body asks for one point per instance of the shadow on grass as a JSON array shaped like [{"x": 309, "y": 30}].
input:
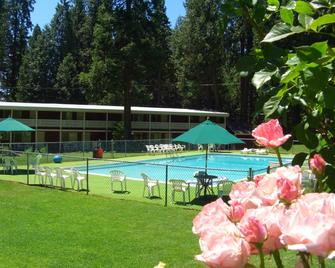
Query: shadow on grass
[
  {"x": 204, "y": 200},
  {"x": 121, "y": 192},
  {"x": 18, "y": 172}
]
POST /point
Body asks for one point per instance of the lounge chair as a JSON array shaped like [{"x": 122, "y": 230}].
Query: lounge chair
[
  {"x": 120, "y": 177},
  {"x": 180, "y": 186},
  {"x": 149, "y": 185}
]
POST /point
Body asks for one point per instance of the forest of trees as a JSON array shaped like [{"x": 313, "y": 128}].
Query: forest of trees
[{"x": 125, "y": 52}]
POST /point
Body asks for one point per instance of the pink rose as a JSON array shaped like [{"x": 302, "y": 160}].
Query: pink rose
[
  {"x": 268, "y": 216},
  {"x": 211, "y": 214},
  {"x": 317, "y": 164},
  {"x": 258, "y": 178},
  {"x": 236, "y": 211},
  {"x": 287, "y": 191},
  {"x": 270, "y": 134},
  {"x": 266, "y": 190},
  {"x": 253, "y": 230},
  {"x": 309, "y": 224},
  {"x": 292, "y": 173},
  {"x": 244, "y": 192},
  {"x": 223, "y": 247}
]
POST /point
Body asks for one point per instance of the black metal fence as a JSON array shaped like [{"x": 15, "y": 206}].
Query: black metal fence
[{"x": 160, "y": 182}]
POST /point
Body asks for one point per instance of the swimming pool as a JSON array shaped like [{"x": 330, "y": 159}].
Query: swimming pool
[{"x": 233, "y": 167}]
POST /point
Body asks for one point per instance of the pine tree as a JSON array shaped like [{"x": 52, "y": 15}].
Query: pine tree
[
  {"x": 200, "y": 54},
  {"x": 62, "y": 30},
  {"x": 36, "y": 77},
  {"x": 3, "y": 24},
  {"x": 67, "y": 81},
  {"x": 16, "y": 37},
  {"x": 159, "y": 69}
]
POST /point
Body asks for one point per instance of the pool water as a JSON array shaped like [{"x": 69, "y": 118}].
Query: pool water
[{"x": 233, "y": 167}]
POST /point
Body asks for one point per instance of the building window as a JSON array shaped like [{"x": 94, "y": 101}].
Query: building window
[
  {"x": 140, "y": 118},
  {"x": 179, "y": 119},
  {"x": 4, "y": 113},
  {"x": 48, "y": 115},
  {"x": 115, "y": 117},
  {"x": 156, "y": 118},
  {"x": 96, "y": 116}
]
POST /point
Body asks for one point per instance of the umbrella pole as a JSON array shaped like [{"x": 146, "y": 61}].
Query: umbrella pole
[{"x": 206, "y": 158}]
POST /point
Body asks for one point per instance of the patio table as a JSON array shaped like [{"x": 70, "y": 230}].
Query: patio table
[{"x": 205, "y": 181}]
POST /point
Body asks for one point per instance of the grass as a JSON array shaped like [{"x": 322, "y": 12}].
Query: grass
[{"x": 41, "y": 227}]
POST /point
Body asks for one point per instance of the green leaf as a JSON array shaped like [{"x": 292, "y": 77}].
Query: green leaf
[
  {"x": 274, "y": 54},
  {"x": 308, "y": 53},
  {"x": 279, "y": 31},
  {"x": 329, "y": 181},
  {"x": 288, "y": 144},
  {"x": 303, "y": 7},
  {"x": 305, "y": 136},
  {"x": 305, "y": 21},
  {"x": 315, "y": 79},
  {"x": 286, "y": 15},
  {"x": 328, "y": 154},
  {"x": 289, "y": 76},
  {"x": 261, "y": 77},
  {"x": 273, "y": 5},
  {"x": 299, "y": 159},
  {"x": 321, "y": 46},
  {"x": 329, "y": 96},
  {"x": 293, "y": 60},
  {"x": 291, "y": 5},
  {"x": 323, "y": 20},
  {"x": 271, "y": 106},
  {"x": 316, "y": 4}
]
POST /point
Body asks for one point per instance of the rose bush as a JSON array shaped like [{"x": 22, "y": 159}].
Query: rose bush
[{"x": 267, "y": 214}]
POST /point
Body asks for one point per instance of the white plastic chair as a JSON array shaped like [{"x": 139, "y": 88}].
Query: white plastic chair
[
  {"x": 39, "y": 174},
  {"x": 63, "y": 177},
  {"x": 150, "y": 185},
  {"x": 78, "y": 178},
  {"x": 180, "y": 186},
  {"x": 50, "y": 176},
  {"x": 118, "y": 176}
]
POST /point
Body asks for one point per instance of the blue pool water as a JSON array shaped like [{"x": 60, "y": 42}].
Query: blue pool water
[{"x": 233, "y": 167}]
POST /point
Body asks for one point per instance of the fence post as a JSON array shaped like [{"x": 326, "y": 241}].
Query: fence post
[
  {"x": 27, "y": 168},
  {"x": 125, "y": 147},
  {"x": 251, "y": 174},
  {"x": 112, "y": 148},
  {"x": 87, "y": 190},
  {"x": 166, "y": 183}
]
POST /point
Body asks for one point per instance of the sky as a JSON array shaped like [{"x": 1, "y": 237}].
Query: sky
[{"x": 45, "y": 9}]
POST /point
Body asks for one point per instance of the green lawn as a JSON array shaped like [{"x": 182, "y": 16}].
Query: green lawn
[{"x": 42, "y": 227}]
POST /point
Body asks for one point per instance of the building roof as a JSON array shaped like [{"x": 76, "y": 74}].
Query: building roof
[{"x": 104, "y": 108}]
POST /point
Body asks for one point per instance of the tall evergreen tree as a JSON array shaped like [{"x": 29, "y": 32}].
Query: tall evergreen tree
[
  {"x": 16, "y": 37},
  {"x": 199, "y": 56},
  {"x": 159, "y": 67},
  {"x": 37, "y": 71},
  {"x": 3, "y": 24},
  {"x": 62, "y": 30}
]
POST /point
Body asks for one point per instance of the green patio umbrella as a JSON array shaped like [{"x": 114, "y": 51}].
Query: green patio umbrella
[
  {"x": 206, "y": 133},
  {"x": 12, "y": 125}
]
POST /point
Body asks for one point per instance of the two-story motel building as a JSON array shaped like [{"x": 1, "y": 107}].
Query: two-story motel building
[{"x": 71, "y": 122}]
